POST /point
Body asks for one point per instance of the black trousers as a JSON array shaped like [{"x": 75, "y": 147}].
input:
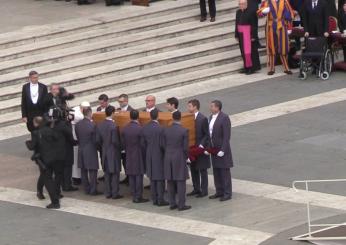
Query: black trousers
[
  {"x": 212, "y": 8},
  {"x": 176, "y": 188},
  {"x": 157, "y": 188},
  {"x": 123, "y": 160},
  {"x": 89, "y": 180},
  {"x": 67, "y": 177},
  {"x": 40, "y": 181},
  {"x": 223, "y": 181},
  {"x": 199, "y": 180},
  {"x": 52, "y": 177},
  {"x": 136, "y": 186}
]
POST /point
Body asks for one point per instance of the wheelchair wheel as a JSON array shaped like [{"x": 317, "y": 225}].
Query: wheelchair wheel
[
  {"x": 325, "y": 75},
  {"x": 328, "y": 62}
]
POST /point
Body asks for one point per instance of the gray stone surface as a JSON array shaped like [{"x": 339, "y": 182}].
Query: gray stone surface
[{"x": 23, "y": 225}]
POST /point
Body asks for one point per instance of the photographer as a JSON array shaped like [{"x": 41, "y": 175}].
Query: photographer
[
  {"x": 48, "y": 143},
  {"x": 57, "y": 98}
]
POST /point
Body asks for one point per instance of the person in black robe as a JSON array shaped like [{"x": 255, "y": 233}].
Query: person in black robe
[
  {"x": 246, "y": 34},
  {"x": 342, "y": 23}
]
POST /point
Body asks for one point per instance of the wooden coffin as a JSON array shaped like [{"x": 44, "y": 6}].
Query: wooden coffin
[
  {"x": 140, "y": 2},
  {"x": 165, "y": 120}
]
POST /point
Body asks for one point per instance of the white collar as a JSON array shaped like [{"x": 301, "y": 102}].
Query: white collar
[
  {"x": 109, "y": 119},
  {"x": 196, "y": 114}
]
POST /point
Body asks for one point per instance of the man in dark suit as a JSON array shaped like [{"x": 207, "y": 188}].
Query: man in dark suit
[
  {"x": 150, "y": 103},
  {"x": 220, "y": 132},
  {"x": 107, "y": 137},
  {"x": 315, "y": 18},
  {"x": 175, "y": 142},
  {"x": 123, "y": 101},
  {"x": 87, "y": 152},
  {"x": 33, "y": 94},
  {"x": 135, "y": 168},
  {"x": 151, "y": 135},
  {"x": 103, "y": 102},
  {"x": 199, "y": 168},
  {"x": 212, "y": 10}
]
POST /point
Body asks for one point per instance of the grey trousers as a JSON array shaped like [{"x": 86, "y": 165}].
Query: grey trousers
[
  {"x": 223, "y": 181},
  {"x": 136, "y": 186},
  {"x": 112, "y": 184},
  {"x": 200, "y": 180},
  {"x": 89, "y": 180},
  {"x": 176, "y": 188},
  {"x": 157, "y": 188}
]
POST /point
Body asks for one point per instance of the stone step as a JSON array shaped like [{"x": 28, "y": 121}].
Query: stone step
[
  {"x": 146, "y": 73},
  {"x": 126, "y": 66},
  {"x": 122, "y": 14},
  {"x": 113, "y": 57},
  {"x": 217, "y": 72},
  {"x": 104, "y": 52},
  {"x": 107, "y": 32}
]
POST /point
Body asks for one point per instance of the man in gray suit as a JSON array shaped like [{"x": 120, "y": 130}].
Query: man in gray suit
[
  {"x": 220, "y": 132},
  {"x": 199, "y": 168},
  {"x": 87, "y": 152},
  {"x": 151, "y": 135},
  {"x": 135, "y": 169},
  {"x": 107, "y": 137},
  {"x": 175, "y": 142}
]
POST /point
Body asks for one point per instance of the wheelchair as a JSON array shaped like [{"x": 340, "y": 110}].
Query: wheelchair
[{"x": 316, "y": 58}]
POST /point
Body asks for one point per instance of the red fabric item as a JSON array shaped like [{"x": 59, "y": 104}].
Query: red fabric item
[
  {"x": 213, "y": 151},
  {"x": 194, "y": 152},
  {"x": 333, "y": 24}
]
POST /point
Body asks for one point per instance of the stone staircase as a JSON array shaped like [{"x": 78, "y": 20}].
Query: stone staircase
[{"x": 140, "y": 52}]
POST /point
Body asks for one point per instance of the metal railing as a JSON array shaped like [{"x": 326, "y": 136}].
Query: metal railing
[{"x": 309, "y": 235}]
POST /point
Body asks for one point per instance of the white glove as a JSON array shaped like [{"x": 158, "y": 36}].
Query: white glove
[
  {"x": 188, "y": 160},
  {"x": 123, "y": 151},
  {"x": 206, "y": 153},
  {"x": 289, "y": 32},
  {"x": 201, "y": 146},
  {"x": 220, "y": 154},
  {"x": 266, "y": 10}
]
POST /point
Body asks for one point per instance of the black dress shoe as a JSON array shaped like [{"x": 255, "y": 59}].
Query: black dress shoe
[
  {"x": 76, "y": 181},
  {"x": 173, "y": 207},
  {"x": 212, "y": 19},
  {"x": 162, "y": 203},
  {"x": 215, "y": 196},
  {"x": 40, "y": 196},
  {"x": 69, "y": 189},
  {"x": 288, "y": 72},
  {"x": 200, "y": 195},
  {"x": 270, "y": 73},
  {"x": 186, "y": 207},
  {"x": 53, "y": 206},
  {"x": 141, "y": 200},
  {"x": 249, "y": 72},
  {"x": 109, "y": 196},
  {"x": 101, "y": 178},
  {"x": 117, "y": 197},
  {"x": 193, "y": 193},
  {"x": 242, "y": 71},
  {"x": 203, "y": 18},
  {"x": 61, "y": 196},
  {"x": 96, "y": 193},
  {"x": 222, "y": 199},
  {"x": 147, "y": 187}
]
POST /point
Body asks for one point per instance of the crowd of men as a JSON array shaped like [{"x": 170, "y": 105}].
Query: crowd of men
[{"x": 67, "y": 146}]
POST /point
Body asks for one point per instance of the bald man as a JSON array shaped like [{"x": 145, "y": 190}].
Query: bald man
[{"x": 150, "y": 103}]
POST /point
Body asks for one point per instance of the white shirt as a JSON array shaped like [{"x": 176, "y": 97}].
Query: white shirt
[
  {"x": 149, "y": 110},
  {"x": 211, "y": 123},
  {"x": 78, "y": 116},
  {"x": 196, "y": 114},
  {"x": 124, "y": 108},
  {"x": 109, "y": 119},
  {"x": 34, "y": 92}
]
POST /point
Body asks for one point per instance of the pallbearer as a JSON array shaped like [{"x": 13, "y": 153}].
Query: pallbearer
[
  {"x": 246, "y": 34},
  {"x": 199, "y": 168},
  {"x": 151, "y": 135},
  {"x": 107, "y": 137},
  {"x": 87, "y": 152},
  {"x": 135, "y": 169},
  {"x": 220, "y": 133},
  {"x": 175, "y": 142}
]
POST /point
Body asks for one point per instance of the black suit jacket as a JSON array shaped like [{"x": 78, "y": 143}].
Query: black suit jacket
[
  {"x": 315, "y": 20},
  {"x": 29, "y": 109},
  {"x": 129, "y": 108},
  {"x": 100, "y": 109}
]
